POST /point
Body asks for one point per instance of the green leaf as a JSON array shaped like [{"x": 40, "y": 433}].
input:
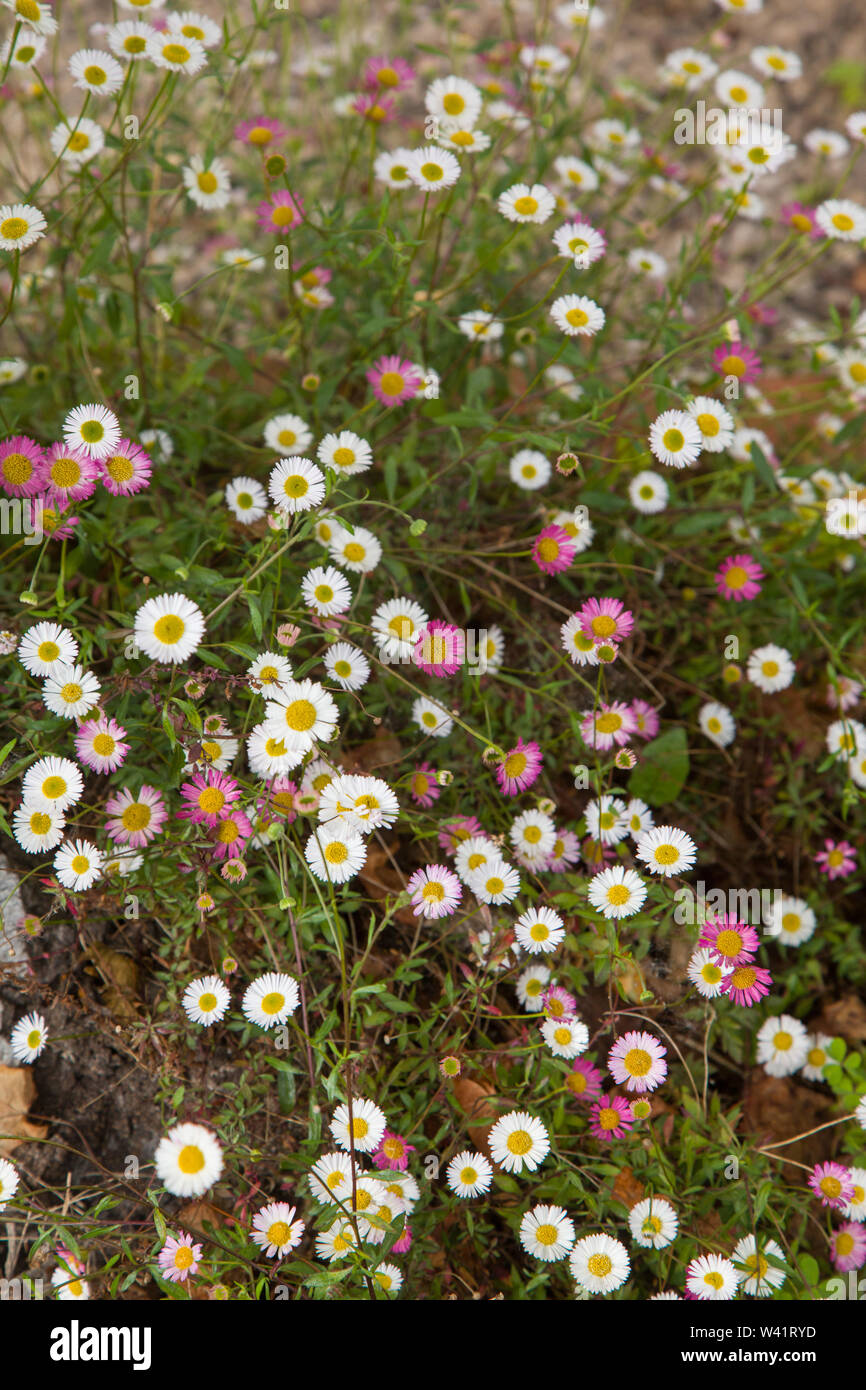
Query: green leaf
[{"x": 661, "y": 774}]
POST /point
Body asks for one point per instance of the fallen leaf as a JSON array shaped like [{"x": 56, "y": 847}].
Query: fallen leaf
[
  {"x": 844, "y": 1018},
  {"x": 17, "y": 1094},
  {"x": 626, "y": 1188},
  {"x": 120, "y": 974},
  {"x": 193, "y": 1215}
]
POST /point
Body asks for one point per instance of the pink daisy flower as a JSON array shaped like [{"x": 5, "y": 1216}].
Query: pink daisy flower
[
  {"x": 610, "y": 1118},
  {"x": 731, "y": 941},
  {"x": 56, "y": 523},
  {"x": 394, "y": 380},
  {"x": 605, "y": 619},
  {"x": 556, "y": 1002},
  {"x": 519, "y": 768},
  {"x": 609, "y": 726},
  {"x": 231, "y": 835},
  {"x": 837, "y": 859},
  {"x": 565, "y": 852},
  {"x": 596, "y": 855},
  {"x": 279, "y": 800},
  {"x": 463, "y": 828},
  {"x": 847, "y": 695},
  {"x": 127, "y": 470},
  {"x": 22, "y": 466},
  {"x": 554, "y": 550},
  {"x": 403, "y": 1244},
  {"x": 373, "y": 107},
  {"x": 435, "y": 891},
  {"x": 584, "y": 1080},
  {"x": 833, "y": 1184},
  {"x": 234, "y": 871},
  {"x": 637, "y": 1061},
  {"x": 739, "y": 577},
  {"x": 281, "y": 212},
  {"x": 439, "y": 649},
  {"x": 70, "y": 475},
  {"x": 393, "y": 1152},
  {"x": 99, "y": 744},
  {"x": 801, "y": 218},
  {"x": 746, "y": 984},
  {"x": 424, "y": 788},
  {"x": 848, "y": 1247},
  {"x": 388, "y": 74},
  {"x": 263, "y": 132},
  {"x": 275, "y": 1230},
  {"x": 646, "y": 719},
  {"x": 135, "y": 818},
  {"x": 735, "y": 359},
  {"x": 179, "y": 1258},
  {"x": 208, "y": 797}
]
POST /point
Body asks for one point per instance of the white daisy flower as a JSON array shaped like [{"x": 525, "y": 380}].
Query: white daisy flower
[
  {"x": 790, "y": 920},
  {"x": 581, "y": 242},
  {"x": 46, "y": 648},
  {"x": 168, "y": 628},
  {"x": 606, "y": 820},
  {"x": 846, "y": 737},
  {"x": 648, "y": 263},
  {"x": 205, "y": 1000},
  {"x": 346, "y": 453},
  {"x": 566, "y": 1037},
  {"x": 576, "y": 172},
  {"x": 175, "y": 53},
  {"x": 296, "y": 485},
  {"x": 326, "y": 591},
  {"x": 537, "y": 931},
  {"x": 712, "y": 1277},
  {"x": 9, "y": 1180},
  {"x": 857, "y": 768},
  {"x": 648, "y": 492},
  {"x": 287, "y": 435},
  {"x": 770, "y": 668},
  {"x": 335, "y": 852},
  {"x": 617, "y": 892},
  {"x": 70, "y": 691},
  {"x": 78, "y": 864},
  {"x": 653, "y": 1223},
  {"x": 529, "y": 469},
  {"x": 391, "y": 167},
  {"x": 517, "y": 1141},
  {"x": 817, "y": 1057},
  {"x": 524, "y": 203},
  {"x": 337, "y": 1242},
  {"x": 389, "y": 1278},
  {"x": 860, "y": 1112},
  {"x": 188, "y": 1160},
  {"x": 93, "y": 428},
  {"x": 22, "y": 50},
  {"x": 52, "y": 782},
  {"x": 717, "y": 723},
  {"x": 782, "y": 1045},
  {"x": 128, "y": 39},
  {"x": 839, "y": 218},
  {"x": 37, "y": 17},
  {"x": 706, "y": 974},
  {"x": 496, "y": 883},
  {"x": 361, "y": 802},
  {"x": 20, "y": 226},
  {"x": 193, "y": 25},
  {"x": 575, "y": 314},
  {"x": 395, "y": 626},
  {"x": 95, "y": 72},
  {"x": 433, "y": 168},
  {"x": 270, "y": 670},
  {"x": 828, "y": 143},
  {"x": 760, "y": 1271},
  {"x": 208, "y": 185},
  {"x": 780, "y": 63},
  {"x": 38, "y": 828},
  {"x": 855, "y": 1210},
  {"x": 738, "y": 89},
  {"x": 666, "y": 850},
  {"x": 675, "y": 439},
  {"x": 547, "y": 1233},
  {"x": 456, "y": 136},
  {"x": 453, "y": 98},
  {"x": 270, "y": 999},
  {"x": 531, "y": 986},
  {"x": 358, "y": 550},
  {"x": 28, "y": 1038},
  {"x": 714, "y": 421},
  {"x": 301, "y": 713},
  {"x": 347, "y": 665},
  {"x": 331, "y": 1178},
  {"x": 533, "y": 835},
  {"x": 431, "y": 718},
  {"x": 599, "y": 1264},
  {"x": 246, "y": 499},
  {"x": 478, "y": 323},
  {"x": 365, "y": 1130},
  {"x": 469, "y": 1174}
]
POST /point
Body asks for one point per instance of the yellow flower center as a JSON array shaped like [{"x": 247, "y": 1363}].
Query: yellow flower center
[
  {"x": 599, "y": 1266},
  {"x": 272, "y": 1003},
  {"x": 453, "y": 103},
  {"x": 211, "y": 800},
  {"x": 17, "y": 468},
  {"x": 526, "y": 205},
  {"x": 301, "y": 715},
  {"x": 175, "y": 53},
  {"x": 169, "y": 629},
  {"x": 65, "y": 472},
  {"x": 637, "y": 1061},
  {"x": 190, "y": 1159},
  {"x": 336, "y": 852},
  {"x": 578, "y": 318},
  {"x": 519, "y": 1142},
  {"x": 137, "y": 815},
  {"x": 13, "y": 228}
]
